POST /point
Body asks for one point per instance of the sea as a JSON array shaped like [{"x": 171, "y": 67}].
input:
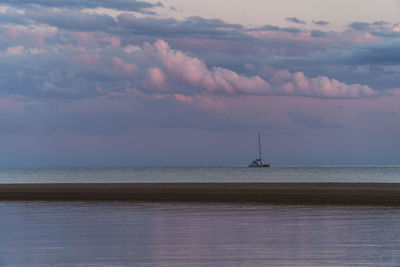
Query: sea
[{"x": 134, "y": 233}]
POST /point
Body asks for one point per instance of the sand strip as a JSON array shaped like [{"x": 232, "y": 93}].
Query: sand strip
[{"x": 289, "y": 193}]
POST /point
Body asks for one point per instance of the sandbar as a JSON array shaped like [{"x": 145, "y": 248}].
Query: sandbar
[{"x": 279, "y": 193}]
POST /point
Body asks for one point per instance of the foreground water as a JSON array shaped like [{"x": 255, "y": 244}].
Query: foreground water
[
  {"x": 202, "y": 174},
  {"x": 197, "y": 234},
  {"x": 162, "y": 234}
]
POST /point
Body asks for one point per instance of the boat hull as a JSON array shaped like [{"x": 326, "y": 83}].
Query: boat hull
[
  {"x": 258, "y": 164},
  {"x": 262, "y": 166}
]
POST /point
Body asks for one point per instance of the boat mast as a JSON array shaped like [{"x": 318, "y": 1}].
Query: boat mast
[{"x": 259, "y": 145}]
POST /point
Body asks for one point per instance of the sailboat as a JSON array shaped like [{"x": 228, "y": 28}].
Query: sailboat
[{"x": 257, "y": 163}]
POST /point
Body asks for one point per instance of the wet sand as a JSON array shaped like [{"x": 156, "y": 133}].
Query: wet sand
[{"x": 288, "y": 193}]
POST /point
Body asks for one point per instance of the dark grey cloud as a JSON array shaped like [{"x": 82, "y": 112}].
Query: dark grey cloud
[
  {"x": 12, "y": 17},
  {"x": 192, "y": 27},
  {"x": 54, "y": 75},
  {"x": 380, "y": 23},
  {"x": 129, "y": 25},
  {"x": 386, "y": 33},
  {"x": 360, "y": 26},
  {"x": 75, "y": 21},
  {"x": 274, "y": 28},
  {"x": 296, "y": 20},
  {"x": 383, "y": 53},
  {"x": 377, "y": 28},
  {"x": 341, "y": 65},
  {"x": 373, "y": 64},
  {"x": 127, "y": 5},
  {"x": 320, "y": 22},
  {"x": 318, "y": 34}
]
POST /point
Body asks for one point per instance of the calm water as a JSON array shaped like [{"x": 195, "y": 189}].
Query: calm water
[
  {"x": 178, "y": 234},
  {"x": 202, "y": 174},
  {"x": 151, "y": 234}
]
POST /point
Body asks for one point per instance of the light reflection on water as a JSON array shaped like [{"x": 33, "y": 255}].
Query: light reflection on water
[{"x": 179, "y": 234}]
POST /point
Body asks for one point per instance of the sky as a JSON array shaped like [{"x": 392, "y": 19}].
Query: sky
[{"x": 183, "y": 83}]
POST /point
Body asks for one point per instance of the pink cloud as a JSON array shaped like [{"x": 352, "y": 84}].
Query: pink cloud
[
  {"x": 281, "y": 75},
  {"x": 323, "y": 86},
  {"x": 15, "y": 50},
  {"x": 191, "y": 71},
  {"x": 18, "y": 35},
  {"x": 183, "y": 98},
  {"x": 159, "y": 96},
  {"x": 363, "y": 39},
  {"x": 84, "y": 37},
  {"x": 194, "y": 72},
  {"x": 396, "y": 27},
  {"x": 156, "y": 79},
  {"x": 286, "y": 83},
  {"x": 13, "y": 34},
  {"x": 124, "y": 67},
  {"x": 113, "y": 41},
  {"x": 89, "y": 60}
]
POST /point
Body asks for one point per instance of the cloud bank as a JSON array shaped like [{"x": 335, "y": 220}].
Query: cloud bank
[
  {"x": 59, "y": 60},
  {"x": 184, "y": 70},
  {"x": 125, "y": 5}
]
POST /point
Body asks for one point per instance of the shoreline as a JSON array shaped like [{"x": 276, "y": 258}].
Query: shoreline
[{"x": 274, "y": 193}]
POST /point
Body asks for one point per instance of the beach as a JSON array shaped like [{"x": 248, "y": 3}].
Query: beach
[{"x": 285, "y": 193}]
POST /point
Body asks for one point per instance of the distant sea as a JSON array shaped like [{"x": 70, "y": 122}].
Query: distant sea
[
  {"x": 203, "y": 174},
  {"x": 129, "y": 233}
]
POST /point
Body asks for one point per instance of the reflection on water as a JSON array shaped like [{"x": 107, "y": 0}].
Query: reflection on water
[{"x": 151, "y": 234}]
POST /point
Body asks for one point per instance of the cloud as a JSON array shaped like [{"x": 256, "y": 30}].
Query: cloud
[
  {"x": 276, "y": 29},
  {"x": 192, "y": 27},
  {"x": 296, "y": 20},
  {"x": 382, "y": 53},
  {"x": 106, "y": 57},
  {"x": 158, "y": 67},
  {"x": 377, "y": 28},
  {"x": 320, "y": 22},
  {"x": 156, "y": 79},
  {"x": 124, "y": 67},
  {"x": 89, "y": 60},
  {"x": 131, "y": 48},
  {"x": 360, "y": 26},
  {"x": 318, "y": 34},
  {"x": 126, "y": 5},
  {"x": 88, "y": 73},
  {"x": 380, "y": 23},
  {"x": 193, "y": 72},
  {"x": 74, "y": 21},
  {"x": 324, "y": 87},
  {"x": 15, "y": 50},
  {"x": 287, "y": 83},
  {"x": 129, "y": 24},
  {"x": 11, "y": 16}
]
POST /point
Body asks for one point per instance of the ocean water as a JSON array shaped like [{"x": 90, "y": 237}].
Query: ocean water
[
  {"x": 179, "y": 234},
  {"x": 202, "y": 174},
  {"x": 128, "y": 233}
]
